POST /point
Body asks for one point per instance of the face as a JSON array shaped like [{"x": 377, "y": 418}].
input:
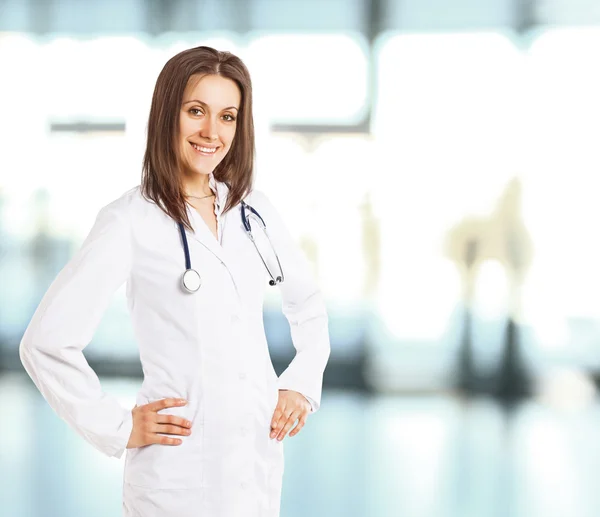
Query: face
[{"x": 207, "y": 122}]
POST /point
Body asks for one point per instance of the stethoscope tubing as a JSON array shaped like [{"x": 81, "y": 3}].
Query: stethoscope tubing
[{"x": 191, "y": 280}]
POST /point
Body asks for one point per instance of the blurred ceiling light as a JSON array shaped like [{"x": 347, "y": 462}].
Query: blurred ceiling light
[
  {"x": 562, "y": 180},
  {"x": 449, "y": 104},
  {"x": 309, "y": 78},
  {"x": 92, "y": 77}
]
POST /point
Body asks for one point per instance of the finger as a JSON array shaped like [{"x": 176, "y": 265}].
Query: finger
[
  {"x": 171, "y": 429},
  {"x": 172, "y": 419},
  {"x": 157, "y": 405},
  {"x": 171, "y": 424},
  {"x": 154, "y": 438},
  {"x": 280, "y": 424},
  {"x": 288, "y": 424},
  {"x": 296, "y": 430},
  {"x": 278, "y": 419},
  {"x": 282, "y": 413}
]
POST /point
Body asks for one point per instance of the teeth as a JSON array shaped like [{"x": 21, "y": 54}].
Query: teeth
[{"x": 205, "y": 149}]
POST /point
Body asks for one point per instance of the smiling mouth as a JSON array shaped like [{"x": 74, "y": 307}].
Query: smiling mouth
[{"x": 204, "y": 151}]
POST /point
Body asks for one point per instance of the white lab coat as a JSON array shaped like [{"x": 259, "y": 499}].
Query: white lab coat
[{"x": 208, "y": 347}]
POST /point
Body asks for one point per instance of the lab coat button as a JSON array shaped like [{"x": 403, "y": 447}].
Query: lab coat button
[
  {"x": 244, "y": 485},
  {"x": 242, "y": 375},
  {"x": 244, "y": 431}
]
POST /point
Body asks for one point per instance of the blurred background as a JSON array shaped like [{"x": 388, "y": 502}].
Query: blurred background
[{"x": 438, "y": 162}]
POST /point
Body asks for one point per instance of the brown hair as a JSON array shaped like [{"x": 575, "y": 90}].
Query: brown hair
[{"x": 161, "y": 178}]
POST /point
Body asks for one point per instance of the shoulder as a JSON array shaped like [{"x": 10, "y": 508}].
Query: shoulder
[
  {"x": 259, "y": 200},
  {"x": 267, "y": 209},
  {"x": 122, "y": 203},
  {"x": 118, "y": 212},
  {"x": 128, "y": 204}
]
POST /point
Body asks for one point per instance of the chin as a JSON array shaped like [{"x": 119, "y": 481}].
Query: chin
[{"x": 197, "y": 168}]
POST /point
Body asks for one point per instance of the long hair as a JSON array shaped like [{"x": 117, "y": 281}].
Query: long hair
[{"x": 162, "y": 166}]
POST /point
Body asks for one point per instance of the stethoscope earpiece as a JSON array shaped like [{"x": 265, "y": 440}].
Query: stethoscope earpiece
[{"x": 278, "y": 280}]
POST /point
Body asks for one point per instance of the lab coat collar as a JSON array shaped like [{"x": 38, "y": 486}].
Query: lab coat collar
[{"x": 202, "y": 233}]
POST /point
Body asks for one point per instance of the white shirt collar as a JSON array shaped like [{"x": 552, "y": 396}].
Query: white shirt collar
[{"x": 220, "y": 189}]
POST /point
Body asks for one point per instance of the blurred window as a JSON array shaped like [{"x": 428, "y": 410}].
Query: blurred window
[{"x": 308, "y": 78}]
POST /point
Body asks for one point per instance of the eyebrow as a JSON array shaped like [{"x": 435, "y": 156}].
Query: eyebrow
[{"x": 204, "y": 104}]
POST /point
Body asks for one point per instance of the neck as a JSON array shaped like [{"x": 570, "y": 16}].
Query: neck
[{"x": 197, "y": 185}]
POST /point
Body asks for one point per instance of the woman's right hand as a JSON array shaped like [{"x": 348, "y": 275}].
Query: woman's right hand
[{"x": 147, "y": 422}]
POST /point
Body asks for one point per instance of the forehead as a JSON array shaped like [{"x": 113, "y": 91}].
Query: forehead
[{"x": 216, "y": 91}]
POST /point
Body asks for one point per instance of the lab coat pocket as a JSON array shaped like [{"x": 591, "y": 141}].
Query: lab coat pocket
[{"x": 170, "y": 466}]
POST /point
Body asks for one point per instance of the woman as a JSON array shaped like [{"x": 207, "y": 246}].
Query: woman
[{"x": 220, "y": 453}]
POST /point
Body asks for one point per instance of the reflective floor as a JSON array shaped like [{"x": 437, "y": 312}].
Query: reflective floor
[{"x": 358, "y": 456}]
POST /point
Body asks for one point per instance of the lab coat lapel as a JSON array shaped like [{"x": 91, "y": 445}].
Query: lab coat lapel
[{"x": 202, "y": 233}]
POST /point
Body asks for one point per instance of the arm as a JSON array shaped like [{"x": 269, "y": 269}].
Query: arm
[
  {"x": 304, "y": 308},
  {"x": 63, "y": 325}
]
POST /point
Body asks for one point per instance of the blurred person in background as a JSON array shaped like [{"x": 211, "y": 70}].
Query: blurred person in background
[{"x": 205, "y": 436}]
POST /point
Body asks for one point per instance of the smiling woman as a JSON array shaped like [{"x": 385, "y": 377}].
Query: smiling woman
[
  {"x": 205, "y": 438},
  {"x": 206, "y": 133},
  {"x": 212, "y": 92}
]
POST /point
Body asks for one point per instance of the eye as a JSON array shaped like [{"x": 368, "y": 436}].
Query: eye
[
  {"x": 231, "y": 117},
  {"x": 195, "y": 111}
]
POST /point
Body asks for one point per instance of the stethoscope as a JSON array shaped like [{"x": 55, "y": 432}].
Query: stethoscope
[{"x": 191, "y": 280}]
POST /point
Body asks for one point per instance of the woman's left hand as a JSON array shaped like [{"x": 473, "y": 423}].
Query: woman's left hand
[{"x": 290, "y": 406}]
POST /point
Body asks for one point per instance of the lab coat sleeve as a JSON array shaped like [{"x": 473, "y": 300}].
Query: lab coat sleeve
[
  {"x": 63, "y": 324},
  {"x": 304, "y": 308}
]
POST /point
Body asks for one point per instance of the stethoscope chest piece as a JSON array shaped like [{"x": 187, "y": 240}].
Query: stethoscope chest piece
[{"x": 191, "y": 280}]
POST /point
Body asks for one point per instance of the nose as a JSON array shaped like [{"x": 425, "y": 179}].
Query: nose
[{"x": 210, "y": 129}]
